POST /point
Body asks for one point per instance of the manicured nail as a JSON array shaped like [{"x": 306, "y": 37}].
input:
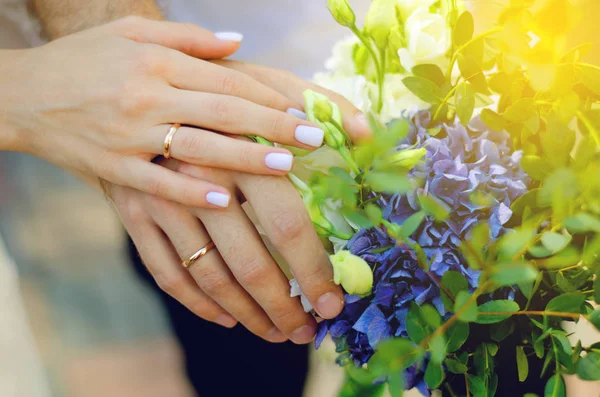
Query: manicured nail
[
  {"x": 329, "y": 305},
  {"x": 298, "y": 113},
  {"x": 275, "y": 335},
  {"x": 310, "y": 136},
  {"x": 229, "y": 36},
  {"x": 218, "y": 199},
  {"x": 279, "y": 161},
  {"x": 226, "y": 321},
  {"x": 303, "y": 334}
]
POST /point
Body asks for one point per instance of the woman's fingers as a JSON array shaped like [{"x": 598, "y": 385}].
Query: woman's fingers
[
  {"x": 163, "y": 263},
  {"x": 192, "y": 74},
  {"x": 184, "y": 37},
  {"x": 188, "y": 236},
  {"x": 238, "y": 116},
  {"x": 355, "y": 122},
  {"x": 158, "y": 181},
  {"x": 250, "y": 262},
  {"x": 207, "y": 148},
  {"x": 282, "y": 214}
]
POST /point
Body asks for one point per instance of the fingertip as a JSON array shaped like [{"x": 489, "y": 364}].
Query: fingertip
[
  {"x": 233, "y": 37},
  {"x": 218, "y": 199},
  {"x": 226, "y": 321},
  {"x": 329, "y": 305}
]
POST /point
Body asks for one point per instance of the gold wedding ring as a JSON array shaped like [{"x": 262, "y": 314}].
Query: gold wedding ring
[
  {"x": 169, "y": 140},
  {"x": 198, "y": 255}
]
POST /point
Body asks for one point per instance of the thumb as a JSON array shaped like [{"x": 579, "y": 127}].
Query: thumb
[{"x": 184, "y": 37}]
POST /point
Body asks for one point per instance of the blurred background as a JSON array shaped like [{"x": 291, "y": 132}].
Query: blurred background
[{"x": 98, "y": 330}]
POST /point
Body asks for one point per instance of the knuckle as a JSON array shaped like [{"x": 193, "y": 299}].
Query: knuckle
[
  {"x": 276, "y": 123},
  {"x": 220, "y": 109},
  {"x": 252, "y": 270},
  {"x": 133, "y": 210},
  {"x": 283, "y": 314},
  {"x": 157, "y": 187},
  {"x": 288, "y": 226},
  {"x": 134, "y": 100},
  {"x": 172, "y": 285},
  {"x": 192, "y": 145},
  {"x": 230, "y": 84},
  {"x": 130, "y": 26},
  {"x": 147, "y": 59},
  {"x": 214, "y": 282}
]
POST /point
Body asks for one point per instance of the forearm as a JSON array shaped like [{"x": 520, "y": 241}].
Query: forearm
[{"x": 63, "y": 17}]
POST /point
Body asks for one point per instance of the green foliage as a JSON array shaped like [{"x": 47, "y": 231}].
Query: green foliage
[{"x": 549, "y": 104}]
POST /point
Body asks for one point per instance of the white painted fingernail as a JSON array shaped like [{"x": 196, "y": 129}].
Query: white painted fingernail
[
  {"x": 310, "y": 136},
  {"x": 218, "y": 199},
  {"x": 279, "y": 161},
  {"x": 229, "y": 36},
  {"x": 298, "y": 113}
]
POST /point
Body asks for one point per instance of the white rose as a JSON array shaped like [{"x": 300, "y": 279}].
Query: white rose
[
  {"x": 320, "y": 160},
  {"x": 355, "y": 88},
  {"x": 428, "y": 38},
  {"x": 342, "y": 61},
  {"x": 407, "y": 7},
  {"x": 397, "y": 98}
]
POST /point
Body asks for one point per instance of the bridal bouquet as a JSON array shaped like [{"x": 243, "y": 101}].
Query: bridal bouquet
[{"x": 466, "y": 232}]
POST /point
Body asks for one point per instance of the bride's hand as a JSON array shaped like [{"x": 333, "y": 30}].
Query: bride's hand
[{"x": 102, "y": 101}]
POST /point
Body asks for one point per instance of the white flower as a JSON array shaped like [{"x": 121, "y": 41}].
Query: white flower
[
  {"x": 341, "y": 61},
  {"x": 295, "y": 290},
  {"x": 397, "y": 98},
  {"x": 407, "y": 7},
  {"x": 354, "y": 88},
  {"x": 428, "y": 37},
  {"x": 320, "y": 160}
]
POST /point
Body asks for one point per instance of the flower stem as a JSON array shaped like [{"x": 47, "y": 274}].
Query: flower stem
[
  {"x": 468, "y": 43},
  {"x": 379, "y": 71}
]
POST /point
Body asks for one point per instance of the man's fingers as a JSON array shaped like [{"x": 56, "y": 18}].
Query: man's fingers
[
  {"x": 282, "y": 214},
  {"x": 184, "y": 37},
  {"x": 163, "y": 263},
  {"x": 241, "y": 247},
  {"x": 355, "y": 122},
  {"x": 208, "y": 148},
  {"x": 159, "y": 181},
  {"x": 188, "y": 236}
]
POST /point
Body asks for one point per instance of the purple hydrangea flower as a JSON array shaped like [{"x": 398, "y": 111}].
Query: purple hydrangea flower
[{"x": 459, "y": 161}]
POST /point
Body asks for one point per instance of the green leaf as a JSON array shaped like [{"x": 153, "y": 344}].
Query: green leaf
[
  {"x": 392, "y": 356},
  {"x": 477, "y": 386},
  {"x": 515, "y": 242},
  {"x": 473, "y": 247},
  {"x": 493, "y": 120},
  {"x": 457, "y": 335},
  {"x": 505, "y": 307},
  {"x": 351, "y": 388},
  {"x": 588, "y": 367},
  {"x": 455, "y": 367},
  {"x": 520, "y": 111},
  {"x": 566, "y": 303},
  {"x": 522, "y": 364},
  {"x": 590, "y": 77},
  {"x": 535, "y": 167},
  {"x": 430, "y": 72},
  {"x": 424, "y": 89},
  {"x": 434, "y": 374},
  {"x": 468, "y": 313},
  {"x": 594, "y": 318},
  {"x": 567, "y": 257},
  {"x": 597, "y": 291},
  {"x": 412, "y": 223},
  {"x": 358, "y": 219},
  {"x": 512, "y": 273},
  {"x": 396, "y": 385},
  {"x": 415, "y": 325},
  {"x": 434, "y": 207},
  {"x": 463, "y": 29},
  {"x": 464, "y": 98},
  {"x": 471, "y": 72},
  {"x": 388, "y": 182},
  {"x": 582, "y": 223},
  {"x": 555, "y": 387},
  {"x": 453, "y": 282},
  {"x": 555, "y": 242},
  {"x": 374, "y": 213},
  {"x": 437, "y": 347}
]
